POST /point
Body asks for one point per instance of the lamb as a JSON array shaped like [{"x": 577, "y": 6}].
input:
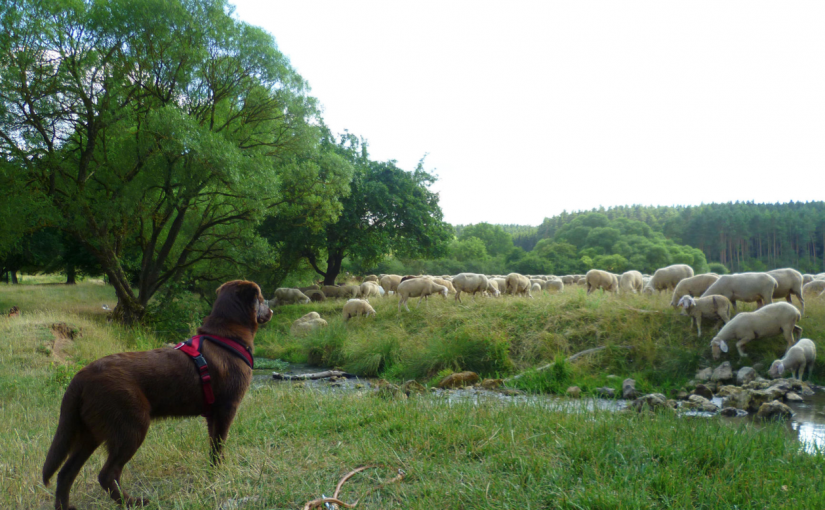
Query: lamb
[
  {"x": 493, "y": 287},
  {"x": 711, "y": 307},
  {"x": 790, "y": 284},
  {"x": 768, "y": 320},
  {"x": 598, "y": 279},
  {"x": 814, "y": 289},
  {"x": 631, "y": 281},
  {"x": 693, "y": 287},
  {"x": 287, "y": 296},
  {"x": 747, "y": 287},
  {"x": 797, "y": 358},
  {"x": 554, "y": 286},
  {"x": 356, "y": 307},
  {"x": 518, "y": 284},
  {"x": 390, "y": 283},
  {"x": 370, "y": 289},
  {"x": 469, "y": 283},
  {"x": 666, "y": 278},
  {"x": 307, "y": 324},
  {"x": 420, "y": 288},
  {"x": 537, "y": 281},
  {"x": 535, "y": 288}
]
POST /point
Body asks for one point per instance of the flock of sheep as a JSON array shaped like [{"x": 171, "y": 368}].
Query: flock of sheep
[{"x": 704, "y": 296}]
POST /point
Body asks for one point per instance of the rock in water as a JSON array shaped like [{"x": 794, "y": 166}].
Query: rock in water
[
  {"x": 704, "y": 374},
  {"x": 723, "y": 372},
  {"x": 629, "y": 389},
  {"x": 459, "y": 380},
  {"x": 793, "y": 397},
  {"x": 492, "y": 384},
  {"x": 606, "y": 392},
  {"x": 774, "y": 410},
  {"x": 745, "y": 375},
  {"x": 703, "y": 391}
]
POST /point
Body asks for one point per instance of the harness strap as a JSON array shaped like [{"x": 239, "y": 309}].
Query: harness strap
[{"x": 193, "y": 348}]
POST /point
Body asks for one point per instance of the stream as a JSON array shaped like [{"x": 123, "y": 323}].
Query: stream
[{"x": 807, "y": 425}]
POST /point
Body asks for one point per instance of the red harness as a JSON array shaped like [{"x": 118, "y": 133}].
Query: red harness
[{"x": 193, "y": 348}]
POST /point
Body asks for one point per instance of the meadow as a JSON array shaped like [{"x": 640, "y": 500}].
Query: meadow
[{"x": 292, "y": 443}]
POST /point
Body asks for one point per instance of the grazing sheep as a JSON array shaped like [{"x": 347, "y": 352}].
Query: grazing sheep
[
  {"x": 535, "y": 288},
  {"x": 711, "y": 307},
  {"x": 694, "y": 286},
  {"x": 814, "y": 288},
  {"x": 446, "y": 283},
  {"x": 631, "y": 281},
  {"x": 554, "y": 286},
  {"x": 537, "y": 281},
  {"x": 371, "y": 278},
  {"x": 420, "y": 288},
  {"x": 355, "y": 307},
  {"x": 790, "y": 284},
  {"x": 306, "y": 290},
  {"x": 598, "y": 279},
  {"x": 807, "y": 278},
  {"x": 370, "y": 289},
  {"x": 797, "y": 358},
  {"x": 747, "y": 287},
  {"x": 518, "y": 284},
  {"x": 315, "y": 295},
  {"x": 493, "y": 287},
  {"x": 582, "y": 282},
  {"x": 350, "y": 291},
  {"x": 287, "y": 296},
  {"x": 767, "y": 321},
  {"x": 666, "y": 278},
  {"x": 307, "y": 324},
  {"x": 469, "y": 283},
  {"x": 390, "y": 283},
  {"x": 568, "y": 279}
]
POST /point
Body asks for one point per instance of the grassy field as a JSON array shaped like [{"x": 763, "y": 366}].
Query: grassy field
[{"x": 290, "y": 444}]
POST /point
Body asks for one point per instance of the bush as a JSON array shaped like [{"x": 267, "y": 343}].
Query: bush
[{"x": 718, "y": 268}]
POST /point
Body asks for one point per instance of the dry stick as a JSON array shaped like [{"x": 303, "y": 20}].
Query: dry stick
[
  {"x": 315, "y": 503},
  {"x": 571, "y": 359},
  {"x": 304, "y": 377}
]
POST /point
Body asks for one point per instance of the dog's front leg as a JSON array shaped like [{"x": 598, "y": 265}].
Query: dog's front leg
[{"x": 219, "y": 424}]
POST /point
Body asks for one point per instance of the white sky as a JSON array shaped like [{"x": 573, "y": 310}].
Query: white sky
[{"x": 530, "y": 108}]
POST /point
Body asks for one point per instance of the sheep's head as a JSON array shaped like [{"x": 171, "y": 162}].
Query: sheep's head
[
  {"x": 687, "y": 302},
  {"x": 777, "y": 369},
  {"x": 443, "y": 291},
  {"x": 717, "y": 347}
]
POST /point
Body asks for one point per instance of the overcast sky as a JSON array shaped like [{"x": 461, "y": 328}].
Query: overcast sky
[{"x": 526, "y": 109}]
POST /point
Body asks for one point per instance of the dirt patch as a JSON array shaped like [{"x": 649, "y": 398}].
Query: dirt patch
[{"x": 64, "y": 334}]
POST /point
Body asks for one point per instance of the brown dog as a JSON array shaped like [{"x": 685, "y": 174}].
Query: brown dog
[{"x": 113, "y": 399}]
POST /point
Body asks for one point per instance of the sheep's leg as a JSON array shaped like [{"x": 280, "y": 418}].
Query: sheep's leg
[
  {"x": 419, "y": 301},
  {"x": 789, "y": 337},
  {"x": 741, "y": 343},
  {"x": 698, "y": 321},
  {"x": 797, "y": 333}
]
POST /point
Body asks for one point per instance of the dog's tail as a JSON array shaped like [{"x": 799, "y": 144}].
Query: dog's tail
[{"x": 67, "y": 428}]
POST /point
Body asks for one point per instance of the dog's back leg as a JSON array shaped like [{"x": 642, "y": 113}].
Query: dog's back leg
[
  {"x": 122, "y": 444},
  {"x": 83, "y": 449}
]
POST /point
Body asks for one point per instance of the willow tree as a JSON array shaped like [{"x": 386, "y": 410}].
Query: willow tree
[{"x": 163, "y": 129}]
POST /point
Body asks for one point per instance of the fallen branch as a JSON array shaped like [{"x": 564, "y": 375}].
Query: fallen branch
[
  {"x": 316, "y": 503},
  {"x": 311, "y": 377},
  {"x": 571, "y": 359}
]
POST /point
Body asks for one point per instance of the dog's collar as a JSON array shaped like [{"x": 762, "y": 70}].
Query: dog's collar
[{"x": 237, "y": 348}]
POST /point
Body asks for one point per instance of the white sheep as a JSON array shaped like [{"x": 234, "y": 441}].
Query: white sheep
[
  {"x": 307, "y": 324},
  {"x": 469, "y": 283},
  {"x": 420, "y": 288},
  {"x": 789, "y": 284},
  {"x": 554, "y": 286},
  {"x": 389, "y": 283},
  {"x": 493, "y": 287},
  {"x": 356, "y": 307},
  {"x": 814, "y": 288},
  {"x": 711, "y": 307},
  {"x": 666, "y": 278},
  {"x": 598, "y": 279},
  {"x": 370, "y": 289},
  {"x": 797, "y": 358},
  {"x": 535, "y": 288},
  {"x": 518, "y": 284},
  {"x": 286, "y": 296},
  {"x": 694, "y": 286},
  {"x": 767, "y": 321},
  {"x": 631, "y": 281},
  {"x": 747, "y": 287},
  {"x": 446, "y": 283}
]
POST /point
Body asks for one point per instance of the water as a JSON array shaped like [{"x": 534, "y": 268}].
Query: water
[{"x": 807, "y": 425}]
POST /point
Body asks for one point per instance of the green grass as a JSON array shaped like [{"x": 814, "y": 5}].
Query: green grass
[
  {"x": 290, "y": 444},
  {"x": 500, "y": 337}
]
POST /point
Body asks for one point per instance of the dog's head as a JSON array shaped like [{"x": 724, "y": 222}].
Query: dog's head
[{"x": 241, "y": 302}]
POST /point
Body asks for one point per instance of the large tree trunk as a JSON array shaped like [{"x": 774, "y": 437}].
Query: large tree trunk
[
  {"x": 13, "y": 273},
  {"x": 71, "y": 275},
  {"x": 334, "y": 261}
]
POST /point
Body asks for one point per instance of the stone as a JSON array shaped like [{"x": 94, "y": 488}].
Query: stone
[
  {"x": 726, "y": 391},
  {"x": 703, "y": 391},
  {"x": 605, "y": 392},
  {"x": 759, "y": 384},
  {"x": 774, "y": 410},
  {"x": 793, "y": 397},
  {"x": 703, "y": 404},
  {"x": 723, "y": 372},
  {"x": 807, "y": 392},
  {"x": 629, "y": 389},
  {"x": 781, "y": 387},
  {"x": 611, "y": 377},
  {"x": 413, "y": 386},
  {"x": 653, "y": 401},
  {"x": 387, "y": 389},
  {"x": 704, "y": 374},
  {"x": 492, "y": 384},
  {"x": 511, "y": 392},
  {"x": 731, "y": 412},
  {"x": 745, "y": 375},
  {"x": 574, "y": 392},
  {"x": 682, "y": 395},
  {"x": 459, "y": 380}
]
